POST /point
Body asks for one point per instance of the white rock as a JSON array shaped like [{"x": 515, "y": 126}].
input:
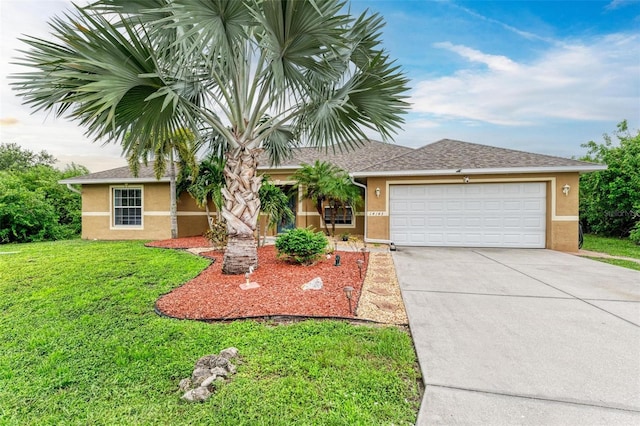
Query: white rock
[{"x": 314, "y": 284}]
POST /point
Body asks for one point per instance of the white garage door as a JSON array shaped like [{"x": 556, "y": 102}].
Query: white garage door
[{"x": 469, "y": 215}]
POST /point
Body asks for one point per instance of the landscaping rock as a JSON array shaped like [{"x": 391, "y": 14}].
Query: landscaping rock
[
  {"x": 314, "y": 284},
  {"x": 199, "y": 394},
  {"x": 207, "y": 370},
  {"x": 229, "y": 353},
  {"x": 185, "y": 384}
]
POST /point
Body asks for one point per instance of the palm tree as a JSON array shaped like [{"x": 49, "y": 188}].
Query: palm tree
[
  {"x": 162, "y": 150},
  {"x": 246, "y": 76},
  {"x": 275, "y": 204},
  {"x": 327, "y": 185},
  {"x": 204, "y": 184}
]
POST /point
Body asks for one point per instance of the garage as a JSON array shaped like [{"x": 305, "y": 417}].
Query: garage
[{"x": 469, "y": 215}]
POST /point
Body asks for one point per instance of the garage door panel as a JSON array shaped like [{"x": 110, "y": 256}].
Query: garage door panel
[{"x": 472, "y": 215}]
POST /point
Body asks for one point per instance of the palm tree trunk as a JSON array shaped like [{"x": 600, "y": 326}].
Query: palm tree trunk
[
  {"x": 240, "y": 209},
  {"x": 173, "y": 209}
]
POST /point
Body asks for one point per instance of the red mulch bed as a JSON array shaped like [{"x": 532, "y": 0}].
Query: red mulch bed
[{"x": 215, "y": 296}]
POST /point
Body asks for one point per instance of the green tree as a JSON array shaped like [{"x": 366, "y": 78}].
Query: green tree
[
  {"x": 610, "y": 199},
  {"x": 327, "y": 185},
  {"x": 14, "y": 157},
  {"x": 245, "y": 76},
  {"x": 162, "y": 150},
  {"x": 33, "y": 205},
  {"x": 275, "y": 204}
]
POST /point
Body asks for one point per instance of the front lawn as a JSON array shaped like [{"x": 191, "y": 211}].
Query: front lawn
[
  {"x": 80, "y": 344},
  {"x": 614, "y": 247}
]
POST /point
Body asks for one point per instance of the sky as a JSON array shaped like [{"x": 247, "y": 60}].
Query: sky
[{"x": 537, "y": 76}]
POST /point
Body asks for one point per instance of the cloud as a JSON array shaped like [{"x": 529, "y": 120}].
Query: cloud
[
  {"x": 576, "y": 81},
  {"x": 616, "y": 4},
  {"x": 9, "y": 121}
]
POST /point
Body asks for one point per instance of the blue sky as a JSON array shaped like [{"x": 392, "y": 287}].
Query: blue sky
[{"x": 539, "y": 76}]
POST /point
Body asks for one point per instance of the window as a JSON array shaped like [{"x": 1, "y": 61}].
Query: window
[
  {"x": 344, "y": 216},
  {"x": 127, "y": 206}
]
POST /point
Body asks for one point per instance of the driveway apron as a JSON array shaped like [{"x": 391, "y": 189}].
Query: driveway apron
[{"x": 517, "y": 336}]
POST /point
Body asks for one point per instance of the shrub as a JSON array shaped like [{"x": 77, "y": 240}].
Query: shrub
[
  {"x": 634, "y": 235},
  {"x": 301, "y": 245}
]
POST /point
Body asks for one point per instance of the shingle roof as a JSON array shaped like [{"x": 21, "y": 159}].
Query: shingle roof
[
  {"x": 119, "y": 175},
  {"x": 351, "y": 160},
  {"x": 379, "y": 158},
  {"x": 448, "y": 154}
]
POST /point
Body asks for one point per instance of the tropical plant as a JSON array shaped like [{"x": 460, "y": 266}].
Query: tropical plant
[
  {"x": 204, "y": 184},
  {"x": 275, "y": 205},
  {"x": 162, "y": 149},
  {"x": 610, "y": 199},
  {"x": 246, "y": 76},
  {"x": 328, "y": 186}
]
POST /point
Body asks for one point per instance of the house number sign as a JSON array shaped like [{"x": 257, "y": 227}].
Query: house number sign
[{"x": 376, "y": 213}]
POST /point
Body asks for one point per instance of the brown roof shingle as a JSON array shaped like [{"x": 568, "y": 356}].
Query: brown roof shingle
[{"x": 448, "y": 154}]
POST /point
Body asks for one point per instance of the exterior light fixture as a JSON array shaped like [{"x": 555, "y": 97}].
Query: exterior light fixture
[
  {"x": 378, "y": 192},
  {"x": 348, "y": 292},
  {"x": 360, "y": 263},
  {"x": 565, "y": 190},
  {"x": 337, "y": 260}
]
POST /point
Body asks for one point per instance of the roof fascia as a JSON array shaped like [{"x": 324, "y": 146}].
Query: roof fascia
[
  {"x": 486, "y": 171},
  {"x": 81, "y": 181}
]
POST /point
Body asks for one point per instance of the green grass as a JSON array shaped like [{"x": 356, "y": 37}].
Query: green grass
[
  {"x": 612, "y": 246},
  {"x": 80, "y": 344}
]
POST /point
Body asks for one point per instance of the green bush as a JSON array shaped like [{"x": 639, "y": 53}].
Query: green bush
[
  {"x": 634, "y": 235},
  {"x": 301, "y": 245}
]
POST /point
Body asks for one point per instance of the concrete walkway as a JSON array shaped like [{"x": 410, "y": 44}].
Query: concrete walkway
[{"x": 527, "y": 337}]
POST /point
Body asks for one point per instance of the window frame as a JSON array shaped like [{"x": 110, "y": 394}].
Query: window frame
[
  {"x": 113, "y": 207},
  {"x": 352, "y": 215}
]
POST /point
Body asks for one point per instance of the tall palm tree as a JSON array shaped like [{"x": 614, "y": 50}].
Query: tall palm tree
[
  {"x": 245, "y": 75},
  {"x": 327, "y": 185},
  {"x": 162, "y": 150}
]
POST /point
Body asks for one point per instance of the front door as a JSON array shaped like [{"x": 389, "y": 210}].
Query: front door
[{"x": 292, "y": 193}]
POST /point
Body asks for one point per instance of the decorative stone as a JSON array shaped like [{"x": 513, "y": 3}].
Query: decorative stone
[
  {"x": 199, "y": 374},
  {"x": 380, "y": 291},
  {"x": 208, "y": 369},
  {"x": 249, "y": 286},
  {"x": 229, "y": 353},
  {"x": 199, "y": 394},
  {"x": 314, "y": 284},
  {"x": 208, "y": 381},
  {"x": 185, "y": 384}
]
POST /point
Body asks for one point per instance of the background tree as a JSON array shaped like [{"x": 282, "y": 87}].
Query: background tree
[
  {"x": 162, "y": 150},
  {"x": 247, "y": 76},
  {"x": 33, "y": 205},
  {"x": 610, "y": 199},
  {"x": 275, "y": 205},
  {"x": 327, "y": 185},
  {"x": 13, "y": 157}
]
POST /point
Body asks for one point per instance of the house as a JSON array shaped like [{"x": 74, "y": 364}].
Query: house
[{"x": 448, "y": 193}]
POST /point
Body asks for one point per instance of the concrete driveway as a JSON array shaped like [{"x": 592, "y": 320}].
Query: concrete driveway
[{"x": 507, "y": 336}]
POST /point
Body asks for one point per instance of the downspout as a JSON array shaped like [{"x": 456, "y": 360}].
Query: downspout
[
  {"x": 366, "y": 203},
  {"x": 72, "y": 189}
]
